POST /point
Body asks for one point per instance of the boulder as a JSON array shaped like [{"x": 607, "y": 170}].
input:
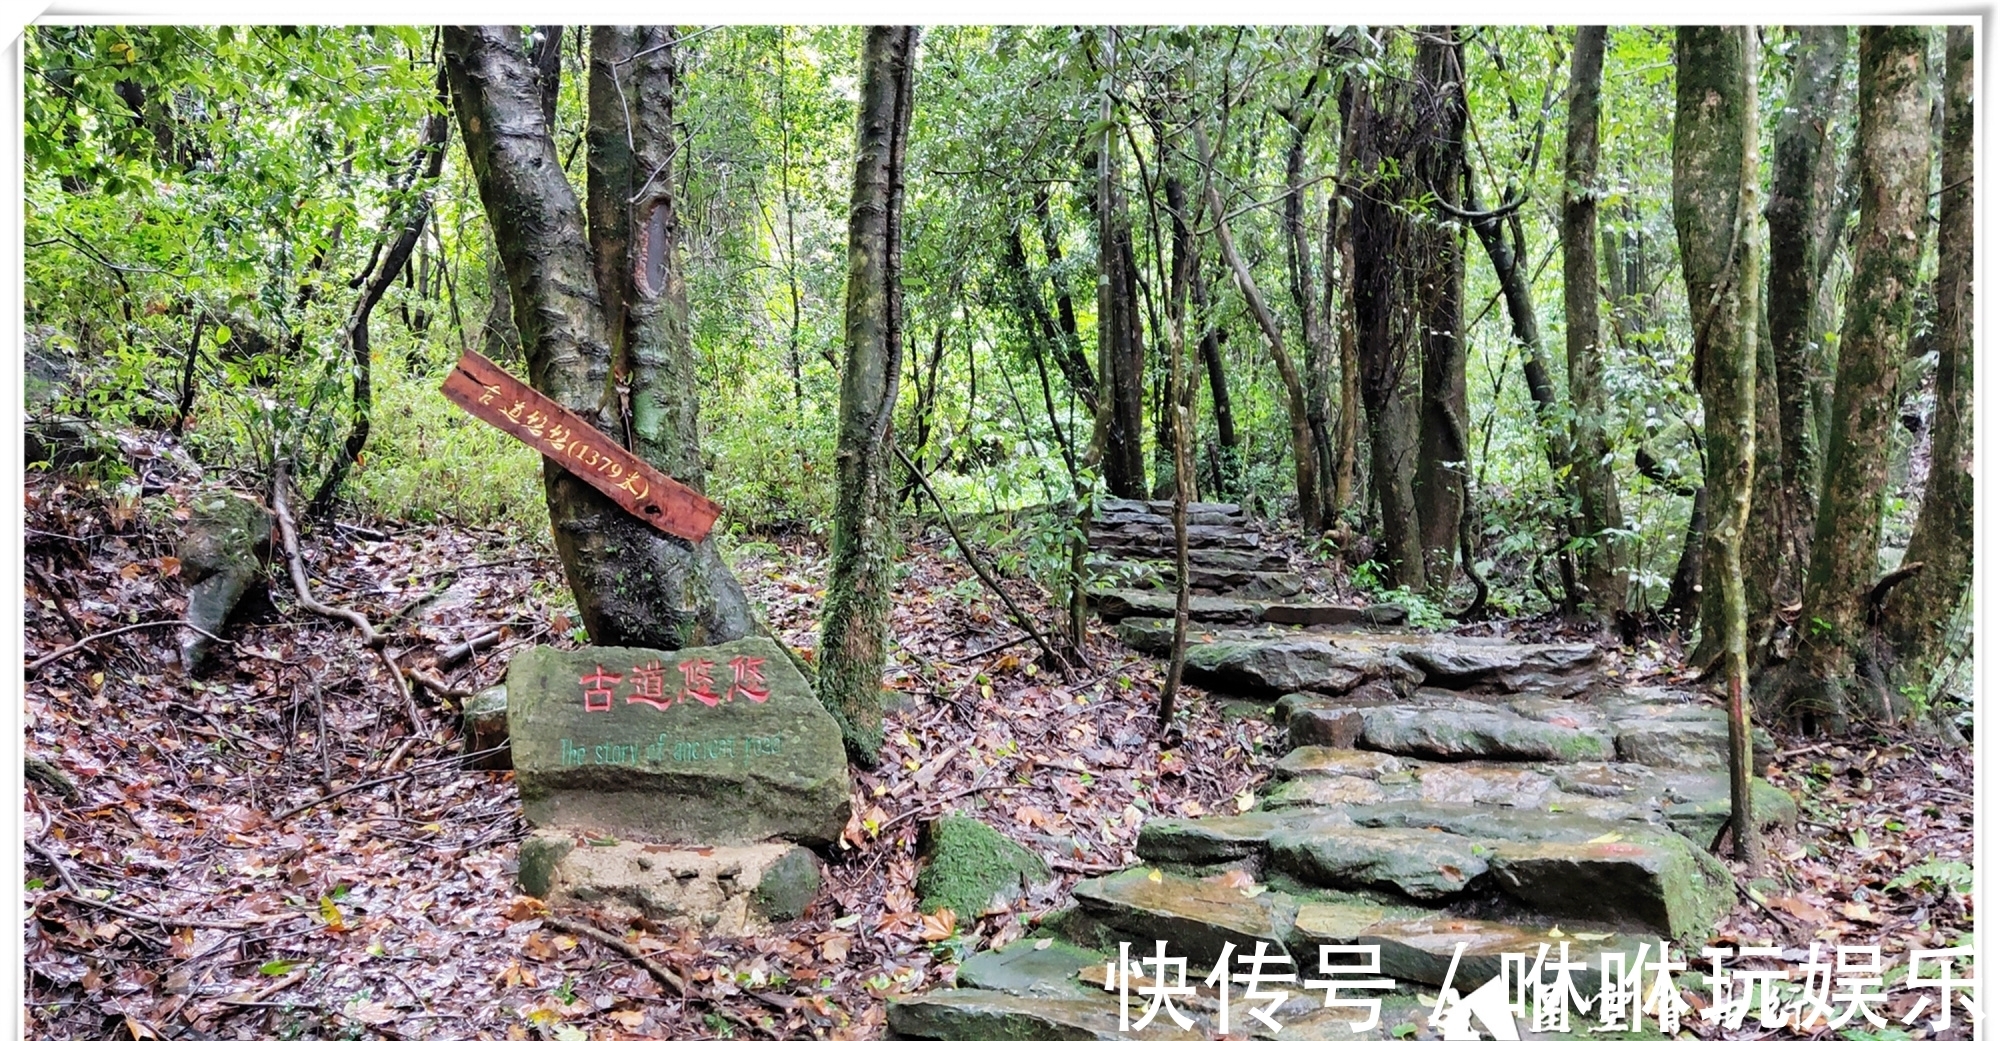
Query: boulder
[
  {"x": 223, "y": 550},
  {"x": 973, "y": 869},
  {"x": 718, "y": 745},
  {"x": 1506, "y": 667},
  {"x": 721, "y": 890},
  {"x": 485, "y": 731},
  {"x": 1210, "y": 841},
  {"x": 1661, "y": 883}
]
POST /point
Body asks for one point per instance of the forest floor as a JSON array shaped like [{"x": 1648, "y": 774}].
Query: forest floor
[{"x": 245, "y": 855}]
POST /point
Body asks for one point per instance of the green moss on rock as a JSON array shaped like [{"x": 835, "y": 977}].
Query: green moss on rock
[{"x": 969, "y": 867}]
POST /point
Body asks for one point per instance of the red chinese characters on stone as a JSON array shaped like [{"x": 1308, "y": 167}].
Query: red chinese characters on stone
[
  {"x": 648, "y": 684},
  {"x": 597, "y": 688},
  {"x": 699, "y": 684},
  {"x": 747, "y": 678},
  {"x": 649, "y": 687}
]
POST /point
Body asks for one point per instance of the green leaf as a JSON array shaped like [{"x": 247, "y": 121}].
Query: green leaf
[{"x": 278, "y": 966}]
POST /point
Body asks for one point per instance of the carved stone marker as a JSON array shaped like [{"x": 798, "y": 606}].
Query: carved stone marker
[{"x": 716, "y": 745}]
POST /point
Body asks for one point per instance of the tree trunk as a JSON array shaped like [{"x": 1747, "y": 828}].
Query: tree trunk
[
  {"x": 1606, "y": 556},
  {"x": 1377, "y": 118},
  {"x": 1798, "y": 247},
  {"x": 1715, "y": 188},
  {"x": 1120, "y": 353},
  {"x": 1315, "y": 329},
  {"x": 1915, "y": 613},
  {"x": 1823, "y": 685},
  {"x": 1228, "y": 462},
  {"x": 1070, "y": 358},
  {"x": 633, "y": 585},
  {"x": 854, "y": 627},
  {"x": 1439, "y": 485},
  {"x": 413, "y": 213}
]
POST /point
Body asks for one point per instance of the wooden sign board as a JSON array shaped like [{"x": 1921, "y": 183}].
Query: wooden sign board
[{"x": 494, "y": 395}]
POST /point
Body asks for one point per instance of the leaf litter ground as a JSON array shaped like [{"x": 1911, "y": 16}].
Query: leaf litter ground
[{"x": 267, "y": 850}]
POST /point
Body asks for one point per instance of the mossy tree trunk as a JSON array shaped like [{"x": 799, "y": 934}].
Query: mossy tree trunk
[
  {"x": 1440, "y": 485},
  {"x": 1824, "y": 682},
  {"x": 1914, "y": 614},
  {"x": 854, "y": 627},
  {"x": 604, "y": 335},
  {"x": 1715, "y": 189},
  {"x": 1377, "y": 118},
  {"x": 1605, "y": 563},
  {"x": 1795, "y": 215}
]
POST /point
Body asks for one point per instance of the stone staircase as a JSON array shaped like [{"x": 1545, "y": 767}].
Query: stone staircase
[{"x": 1437, "y": 790}]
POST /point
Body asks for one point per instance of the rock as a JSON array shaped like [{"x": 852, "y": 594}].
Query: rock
[
  {"x": 1485, "y": 783},
  {"x": 1045, "y": 968},
  {"x": 787, "y": 886},
  {"x": 1506, "y": 667},
  {"x": 1209, "y": 512},
  {"x": 485, "y": 730},
  {"x": 222, "y": 552},
  {"x": 1660, "y": 882},
  {"x": 722, "y": 890},
  {"x": 722, "y": 745},
  {"x": 1117, "y": 604},
  {"x": 1322, "y": 792},
  {"x": 1195, "y": 917},
  {"x": 1208, "y": 841},
  {"x": 973, "y": 869},
  {"x": 1694, "y": 803},
  {"x": 1694, "y": 738},
  {"x": 1325, "y": 727},
  {"x": 985, "y": 1015},
  {"x": 1313, "y": 761},
  {"x": 1466, "y": 729},
  {"x": 1273, "y": 667},
  {"x": 1420, "y": 950},
  {"x": 1334, "y": 614},
  {"x": 1342, "y": 923},
  {"x": 1417, "y": 863}
]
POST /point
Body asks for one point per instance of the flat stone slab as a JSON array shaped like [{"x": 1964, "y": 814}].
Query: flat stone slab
[
  {"x": 1417, "y": 863},
  {"x": 1669, "y": 888},
  {"x": 1323, "y": 613},
  {"x": 1045, "y": 968},
  {"x": 1272, "y": 662},
  {"x": 720, "y": 745},
  {"x": 1196, "y": 917},
  {"x": 1454, "y": 728},
  {"x": 1317, "y": 761},
  {"x": 721, "y": 890},
  {"x": 1114, "y": 605},
  {"x": 1203, "y": 841}
]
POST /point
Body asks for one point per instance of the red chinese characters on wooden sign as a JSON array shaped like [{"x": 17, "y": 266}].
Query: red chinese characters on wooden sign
[
  {"x": 494, "y": 395},
  {"x": 646, "y": 685}
]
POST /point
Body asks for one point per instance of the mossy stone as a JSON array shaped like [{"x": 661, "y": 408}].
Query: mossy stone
[
  {"x": 969, "y": 867},
  {"x": 788, "y": 886},
  {"x": 540, "y": 855}
]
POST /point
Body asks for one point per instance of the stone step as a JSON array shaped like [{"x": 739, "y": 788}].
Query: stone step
[
  {"x": 970, "y": 1014},
  {"x": 1116, "y": 605},
  {"x": 1272, "y": 662},
  {"x": 1196, "y": 917},
  {"x": 1685, "y": 736},
  {"x": 1632, "y": 871},
  {"x": 1224, "y": 512},
  {"x": 1247, "y": 584},
  {"x": 1153, "y": 534}
]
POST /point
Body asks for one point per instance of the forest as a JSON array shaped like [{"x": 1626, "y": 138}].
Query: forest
[{"x": 1136, "y": 447}]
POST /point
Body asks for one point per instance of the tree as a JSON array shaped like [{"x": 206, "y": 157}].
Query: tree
[
  {"x": 854, "y": 627},
  {"x": 1715, "y": 171},
  {"x": 1441, "y": 485},
  {"x": 1798, "y": 246},
  {"x": 1823, "y": 684},
  {"x": 1605, "y": 557},
  {"x": 1915, "y": 613},
  {"x": 602, "y": 313},
  {"x": 1121, "y": 355}
]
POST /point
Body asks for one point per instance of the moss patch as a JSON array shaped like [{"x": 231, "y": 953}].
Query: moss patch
[{"x": 970, "y": 866}]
